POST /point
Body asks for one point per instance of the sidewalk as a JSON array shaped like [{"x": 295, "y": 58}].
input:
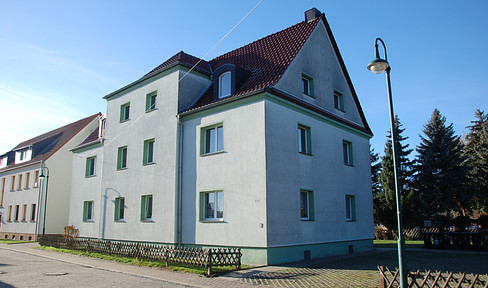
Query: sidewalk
[{"x": 153, "y": 273}]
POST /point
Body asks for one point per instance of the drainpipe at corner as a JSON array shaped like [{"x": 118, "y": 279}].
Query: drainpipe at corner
[{"x": 178, "y": 184}]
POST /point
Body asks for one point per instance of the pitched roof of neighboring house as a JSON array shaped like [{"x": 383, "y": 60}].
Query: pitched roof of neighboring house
[
  {"x": 45, "y": 145},
  {"x": 93, "y": 138}
]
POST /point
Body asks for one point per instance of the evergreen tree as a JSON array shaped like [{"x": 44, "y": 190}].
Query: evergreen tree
[
  {"x": 476, "y": 152},
  {"x": 375, "y": 170},
  {"x": 384, "y": 202},
  {"x": 441, "y": 173}
]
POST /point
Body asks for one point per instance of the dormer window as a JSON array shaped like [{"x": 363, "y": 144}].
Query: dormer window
[
  {"x": 225, "y": 84},
  {"x": 23, "y": 155},
  {"x": 3, "y": 162}
]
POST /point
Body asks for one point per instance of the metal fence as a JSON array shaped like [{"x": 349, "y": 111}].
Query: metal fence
[{"x": 192, "y": 256}]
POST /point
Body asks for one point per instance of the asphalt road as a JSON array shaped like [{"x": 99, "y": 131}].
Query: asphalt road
[{"x": 19, "y": 269}]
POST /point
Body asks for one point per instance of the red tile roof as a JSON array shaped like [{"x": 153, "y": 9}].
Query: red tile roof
[{"x": 49, "y": 143}]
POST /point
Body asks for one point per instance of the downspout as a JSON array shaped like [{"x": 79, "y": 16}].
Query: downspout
[
  {"x": 179, "y": 181},
  {"x": 38, "y": 203},
  {"x": 101, "y": 221}
]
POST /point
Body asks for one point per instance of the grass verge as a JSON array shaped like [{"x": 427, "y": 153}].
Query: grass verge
[
  {"x": 147, "y": 263},
  {"x": 8, "y": 241},
  {"x": 394, "y": 243}
]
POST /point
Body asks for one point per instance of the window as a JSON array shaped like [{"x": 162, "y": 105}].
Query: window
[
  {"x": 122, "y": 158},
  {"x": 124, "y": 112},
  {"x": 19, "y": 185},
  {"x": 33, "y": 212},
  {"x": 12, "y": 184},
  {"x": 151, "y": 101},
  {"x": 3, "y": 162},
  {"x": 24, "y": 212},
  {"x": 304, "y": 140},
  {"x": 225, "y": 84},
  {"x": 10, "y": 213},
  {"x": 148, "y": 155},
  {"x": 146, "y": 207},
  {"x": 347, "y": 152},
  {"x": 213, "y": 139},
  {"x": 90, "y": 166},
  {"x": 307, "y": 85},
  {"x": 306, "y": 205},
  {"x": 338, "y": 101},
  {"x": 119, "y": 209},
  {"x": 3, "y": 192},
  {"x": 27, "y": 178},
  {"x": 36, "y": 178},
  {"x": 212, "y": 206},
  {"x": 17, "y": 208},
  {"x": 350, "y": 208},
  {"x": 88, "y": 211}
]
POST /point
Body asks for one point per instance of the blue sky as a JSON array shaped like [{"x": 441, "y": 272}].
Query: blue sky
[{"x": 59, "y": 58}]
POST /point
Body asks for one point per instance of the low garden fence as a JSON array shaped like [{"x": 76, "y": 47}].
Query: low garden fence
[
  {"x": 192, "y": 256},
  {"x": 431, "y": 279}
]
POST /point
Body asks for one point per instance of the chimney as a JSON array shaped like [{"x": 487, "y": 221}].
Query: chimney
[{"x": 311, "y": 14}]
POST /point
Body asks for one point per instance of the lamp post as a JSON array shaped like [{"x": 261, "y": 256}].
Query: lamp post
[
  {"x": 379, "y": 66},
  {"x": 46, "y": 178}
]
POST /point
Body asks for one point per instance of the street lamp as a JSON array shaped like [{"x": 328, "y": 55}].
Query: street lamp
[
  {"x": 379, "y": 66},
  {"x": 46, "y": 178}
]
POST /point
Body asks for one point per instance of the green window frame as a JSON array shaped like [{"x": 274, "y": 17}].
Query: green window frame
[
  {"x": 347, "y": 153},
  {"x": 148, "y": 153},
  {"x": 212, "y": 139},
  {"x": 151, "y": 100},
  {"x": 119, "y": 209},
  {"x": 212, "y": 206},
  {"x": 146, "y": 207},
  {"x": 88, "y": 211},
  {"x": 124, "y": 112},
  {"x": 338, "y": 101},
  {"x": 90, "y": 166},
  {"x": 122, "y": 158},
  {"x": 307, "y": 85},
  {"x": 307, "y": 207},
  {"x": 350, "y": 208},
  {"x": 304, "y": 139}
]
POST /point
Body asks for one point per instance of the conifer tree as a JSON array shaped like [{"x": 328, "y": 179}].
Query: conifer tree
[
  {"x": 441, "y": 173},
  {"x": 375, "y": 171},
  {"x": 384, "y": 202},
  {"x": 476, "y": 152}
]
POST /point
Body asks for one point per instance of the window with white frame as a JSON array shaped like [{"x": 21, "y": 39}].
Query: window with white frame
[
  {"x": 213, "y": 139},
  {"x": 88, "y": 211},
  {"x": 350, "y": 208},
  {"x": 304, "y": 137},
  {"x": 338, "y": 101},
  {"x": 151, "y": 101},
  {"x": 3, "y": 162},
  {"x": 119, "y": 208},
  {"x": 225, "y": 84},
  {"x": 24, "y": 212},
  {"x": 146, "y": 207},
  {"x": 347, "y": 153},
  {"x": 306, "y": 205},
  {"x": 212, "y": 206},
  {"x": 27, "y": 180},
  {"x": 148, "y": 153},
  {"x": 16, "y": 214},
  {"x": 90, "y": 166}
]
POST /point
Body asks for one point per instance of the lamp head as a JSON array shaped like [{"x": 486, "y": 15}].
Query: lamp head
[
  {"x": 378, "y": 65},
  {"x": 42, "y": 176}
]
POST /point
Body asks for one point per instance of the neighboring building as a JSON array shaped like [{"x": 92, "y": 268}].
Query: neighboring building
[
  {"x": 22, "y": 192},
  {"x": 264, "y": 148}
]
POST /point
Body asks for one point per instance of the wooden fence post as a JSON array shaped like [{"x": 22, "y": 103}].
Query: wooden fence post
[{"x": 209, "y": 262}]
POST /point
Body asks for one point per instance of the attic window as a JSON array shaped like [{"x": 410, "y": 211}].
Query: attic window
[
  {"x": 23, "y": 155},
  {"x": 3, "y": 162},
  {"x": 225, "y": 84}
]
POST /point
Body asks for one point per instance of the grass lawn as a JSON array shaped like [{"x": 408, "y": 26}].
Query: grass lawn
[
  {"x": 394, "y": 244},
  {"x": 8, "y": 241}
]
